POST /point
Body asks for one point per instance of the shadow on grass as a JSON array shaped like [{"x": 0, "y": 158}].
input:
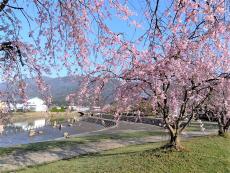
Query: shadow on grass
[
  {"x": 71, "y": 142},
  {"x": 40, "y": 146},
  {"x": 119, "y": 136},
  {"x": 156, "y": 150},
  {"x": 150, "y": 157}
]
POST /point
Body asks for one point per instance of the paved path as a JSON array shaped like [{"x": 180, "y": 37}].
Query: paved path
[{"x": 19, "y": 160}]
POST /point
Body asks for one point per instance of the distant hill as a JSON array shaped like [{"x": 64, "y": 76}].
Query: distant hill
[{"x": 60, "y": 87}]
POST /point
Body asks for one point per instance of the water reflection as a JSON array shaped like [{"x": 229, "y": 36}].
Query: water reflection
[
  {"x": 18, "y": 133},
  {"x": 23, "y": 126},
  {"x": 28, "y": 126}
]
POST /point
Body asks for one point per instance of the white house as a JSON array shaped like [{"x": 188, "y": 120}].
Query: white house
[
  {"x": 82, "y": 108},
  {"x": 19, "y": 107},
  {"x": 79, "y": 108},
  {"x": 36, "y": 104}
]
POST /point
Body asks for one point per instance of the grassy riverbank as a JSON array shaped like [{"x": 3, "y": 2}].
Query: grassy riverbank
[
  {"x": 74, "y": 141},
  {"x": 204, "y": 154},
  {"x": 30, "y": 116}
]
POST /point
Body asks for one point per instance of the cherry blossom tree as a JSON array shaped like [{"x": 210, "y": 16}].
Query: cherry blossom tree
[
  {"x": 41, "y": 36},
  {"x": 218, "y": 106},
  {"x": 186, "y": 56},
  {"x": 16, "y": 61},
  {"x": 177, "y": 61}
]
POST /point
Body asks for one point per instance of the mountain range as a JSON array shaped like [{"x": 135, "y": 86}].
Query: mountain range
[{"x": 60, "y": 87}]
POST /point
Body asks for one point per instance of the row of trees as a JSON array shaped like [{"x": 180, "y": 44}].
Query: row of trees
[
  {"x": 179, "y": 60},
  {"x": 184, "y": 67}
]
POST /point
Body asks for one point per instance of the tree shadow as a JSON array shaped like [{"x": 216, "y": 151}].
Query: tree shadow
[
  {"x": 41, "y": 146},
  {"x": 155, "y": 152}
]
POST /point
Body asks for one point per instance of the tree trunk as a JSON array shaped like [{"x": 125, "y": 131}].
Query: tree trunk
[
  {"x": 174, "y": 132},
  {"x": 174, "y": 142},
  {"x": 223, "y": 131},
  {"x": 223, "y": 127}
]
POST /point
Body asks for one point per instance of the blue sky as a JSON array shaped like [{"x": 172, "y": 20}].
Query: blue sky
[{"x": 116, "y": 25}]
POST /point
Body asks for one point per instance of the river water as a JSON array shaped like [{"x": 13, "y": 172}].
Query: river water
[{"x": 18, "y": 133}]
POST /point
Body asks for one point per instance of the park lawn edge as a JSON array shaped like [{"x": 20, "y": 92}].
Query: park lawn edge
[
  {"x": 213, "y": 145},
  {"x": 72, "y": 141}
]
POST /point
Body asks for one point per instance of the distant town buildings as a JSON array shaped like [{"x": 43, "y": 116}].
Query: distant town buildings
[
  {"x": 93, "y": 109},
  {"x": 5, "y": 107},
  {"x": 96, "y": 109},
  {"x": 79, "y": 108},
  {"x": 38, "y": 105},
  {"x": 19, "y": 107},
  {"x": 35, "y": 104}
]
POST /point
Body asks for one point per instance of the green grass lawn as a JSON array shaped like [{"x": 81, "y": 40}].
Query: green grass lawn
[
  {"x": 203, "y": 155},
  {"x": 40, "y": 146}
]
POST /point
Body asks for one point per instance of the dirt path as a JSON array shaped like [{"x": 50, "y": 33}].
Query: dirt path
[{"x": 19, "y": 160}]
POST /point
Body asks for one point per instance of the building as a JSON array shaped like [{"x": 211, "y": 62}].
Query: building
[
  {"x": 82, "y": 109},
  {"x": 19, "y": 107},
  {"x": 96, "y": 110},
  {"x": 35, "y": 104},
  {"x": 79, "y": 108},
  {"x": 4, "y": 106}
]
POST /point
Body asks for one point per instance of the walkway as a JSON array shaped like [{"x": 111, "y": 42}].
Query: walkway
[{"x": 19, "y": 160}]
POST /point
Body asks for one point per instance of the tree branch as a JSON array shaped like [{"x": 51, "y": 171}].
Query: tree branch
[{"x": 3, "y": 4}]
